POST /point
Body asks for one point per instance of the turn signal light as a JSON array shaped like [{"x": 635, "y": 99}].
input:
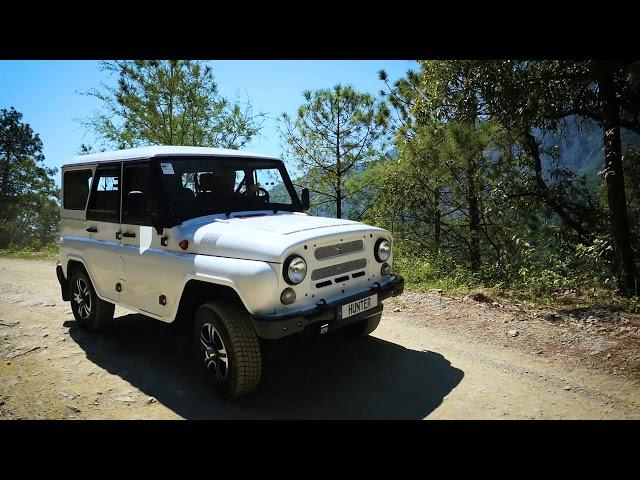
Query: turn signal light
[
  {"x": 183, "y": 244},
  {"x": 288, "y": 296},
  {"x": 386, "y": 269}
]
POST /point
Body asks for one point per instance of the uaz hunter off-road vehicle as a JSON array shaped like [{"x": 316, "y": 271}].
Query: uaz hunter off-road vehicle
[{"x": 217, "y": 238}]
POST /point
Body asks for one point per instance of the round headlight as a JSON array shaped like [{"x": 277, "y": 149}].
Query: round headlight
[
  {"x": 382, "y": 251},
  {"x": 295, "y": 269}
]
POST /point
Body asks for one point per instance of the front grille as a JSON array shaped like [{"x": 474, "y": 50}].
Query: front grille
[
  {"x": 338, "y": 249},
  {"x": 338, "y": 269}
]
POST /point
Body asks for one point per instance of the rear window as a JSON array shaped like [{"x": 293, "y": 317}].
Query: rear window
[
  {"x": 77, "y": 185},
  {"x": 104, "y": 204}
]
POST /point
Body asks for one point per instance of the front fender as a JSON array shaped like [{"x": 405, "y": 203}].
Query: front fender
[{"x": 255, "y": 282}]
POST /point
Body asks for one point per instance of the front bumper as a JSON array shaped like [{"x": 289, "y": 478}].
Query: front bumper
[{"x": 277, "y": 326}]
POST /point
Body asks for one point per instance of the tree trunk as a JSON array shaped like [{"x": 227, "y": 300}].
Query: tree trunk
[
  {"x": 474, "y": 216},
  {"x": 338, "y": 198},
  {"x": 615, "y": 178},
  {"x": 338, "y": 170},
  {"x": 437, "y": 227}
]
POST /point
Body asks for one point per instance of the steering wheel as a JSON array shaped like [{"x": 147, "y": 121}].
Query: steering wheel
[{"x": 262, "y": 194}]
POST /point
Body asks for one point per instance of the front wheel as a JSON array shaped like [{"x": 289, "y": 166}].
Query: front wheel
[{"x": 228, "y": 348}]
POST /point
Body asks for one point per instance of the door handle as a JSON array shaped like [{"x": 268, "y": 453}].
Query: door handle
[
  {"x": 129, "y": 235},
  {"x": 92, "y": 229}
]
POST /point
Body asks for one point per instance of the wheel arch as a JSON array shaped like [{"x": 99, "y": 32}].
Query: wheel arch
[
  {"x": 77, "y": 262},
  {"x": 197, "y": 292}
]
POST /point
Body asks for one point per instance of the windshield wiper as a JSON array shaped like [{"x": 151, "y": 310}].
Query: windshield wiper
[{"x": 251, "y": 215}]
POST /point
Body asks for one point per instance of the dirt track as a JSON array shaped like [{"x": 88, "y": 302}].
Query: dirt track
[{"x": 424, "y": 361}]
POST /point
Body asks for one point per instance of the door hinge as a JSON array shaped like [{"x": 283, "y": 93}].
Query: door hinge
[
  {"x": 118, "y": 287},
  {"x": 162, "y": 299}
]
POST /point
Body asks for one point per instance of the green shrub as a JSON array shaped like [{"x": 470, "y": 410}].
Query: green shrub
[
  {"x": 424, "y": 272},
  {"x": 540, "y": 272}
]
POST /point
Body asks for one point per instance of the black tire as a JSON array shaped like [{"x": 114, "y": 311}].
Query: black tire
[
  {"x": 83, "y": 297},
  {"x": 363, "y": 327},
  {"x": 240, "y": 374}
]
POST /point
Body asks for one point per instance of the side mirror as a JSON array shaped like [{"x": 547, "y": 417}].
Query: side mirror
[{"x": 305, "y": 199}]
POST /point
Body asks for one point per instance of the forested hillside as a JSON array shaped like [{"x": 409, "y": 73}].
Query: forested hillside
[
  {"x": 579, "y": 150},
  {"x": 509, "y": 174},
  {"x": 580, "y": 147}
]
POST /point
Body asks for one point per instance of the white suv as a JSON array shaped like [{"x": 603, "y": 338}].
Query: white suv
[{"x": 217, "y": 238}]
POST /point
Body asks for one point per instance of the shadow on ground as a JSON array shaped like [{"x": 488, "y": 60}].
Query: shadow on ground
[{"x": 330, "y": 378}]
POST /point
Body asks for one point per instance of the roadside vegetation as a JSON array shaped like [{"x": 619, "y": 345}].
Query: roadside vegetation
[
  {"x": 501, "y": 180},
  {"x": 33, "y": 252}
]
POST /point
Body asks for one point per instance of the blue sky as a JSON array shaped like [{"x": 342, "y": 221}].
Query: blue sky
[{"x": 46, "y": 92}]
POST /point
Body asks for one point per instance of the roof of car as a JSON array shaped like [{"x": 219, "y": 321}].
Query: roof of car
[{"x": 163, "y": 151}]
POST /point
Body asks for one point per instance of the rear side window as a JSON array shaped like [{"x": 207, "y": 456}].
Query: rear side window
[
  {"x": 104, "y": 204},
  {"x": 136, "y": 197},
  {"x": 77, "y": 184}
]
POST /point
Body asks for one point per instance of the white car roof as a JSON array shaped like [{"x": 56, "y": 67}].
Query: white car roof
[{"x": 162, "y": 151}]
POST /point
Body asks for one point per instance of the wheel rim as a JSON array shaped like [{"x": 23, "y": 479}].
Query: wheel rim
[
  {"x": 215, "y": 352},
  {"x": 82, "y": 297}
]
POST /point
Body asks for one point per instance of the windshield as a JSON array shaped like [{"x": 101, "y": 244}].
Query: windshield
[{"x": 193, "y": 187}]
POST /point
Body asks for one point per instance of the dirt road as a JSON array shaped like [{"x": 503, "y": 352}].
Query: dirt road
[{"x": 433, "y": 357}]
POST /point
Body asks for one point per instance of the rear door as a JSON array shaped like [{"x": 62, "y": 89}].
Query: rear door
[{"x": 103, "y": 227}]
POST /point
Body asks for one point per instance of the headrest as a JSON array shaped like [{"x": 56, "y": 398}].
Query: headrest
[
  {"x": 221, "y": 183},
  {"x": 206, "y": 181}
]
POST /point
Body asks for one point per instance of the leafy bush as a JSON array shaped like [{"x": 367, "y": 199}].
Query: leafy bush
[
  {"x": 425, "y": 271},
  {"x": 532, "y": 272}
]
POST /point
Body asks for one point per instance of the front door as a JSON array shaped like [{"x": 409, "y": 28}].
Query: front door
[
  {"x": 103, "y": 225},
  {"x": 142, "y": 269}
]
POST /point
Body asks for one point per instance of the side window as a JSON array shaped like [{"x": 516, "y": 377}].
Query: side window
[
  {"x": 271, "y": 180},
  {"x": 188, "y": 182},
  {"x": 241, "y": 182},
  {"x": 76, "y": 184},
  {"x": 104, "y": 204},
  {"x": 136, "y": 194}
]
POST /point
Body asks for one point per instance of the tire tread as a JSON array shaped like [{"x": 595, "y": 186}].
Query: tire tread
[{"x": 245, "y": 345}]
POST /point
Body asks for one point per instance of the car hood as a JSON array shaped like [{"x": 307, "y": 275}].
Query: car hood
[{"x": 261, "y": 236}]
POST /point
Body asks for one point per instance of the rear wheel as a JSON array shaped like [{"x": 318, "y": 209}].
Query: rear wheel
[
  {"x": 229, "y": 349},
  {"x": 363, "y": 327},
  {"x": 90, "y": 312}
]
